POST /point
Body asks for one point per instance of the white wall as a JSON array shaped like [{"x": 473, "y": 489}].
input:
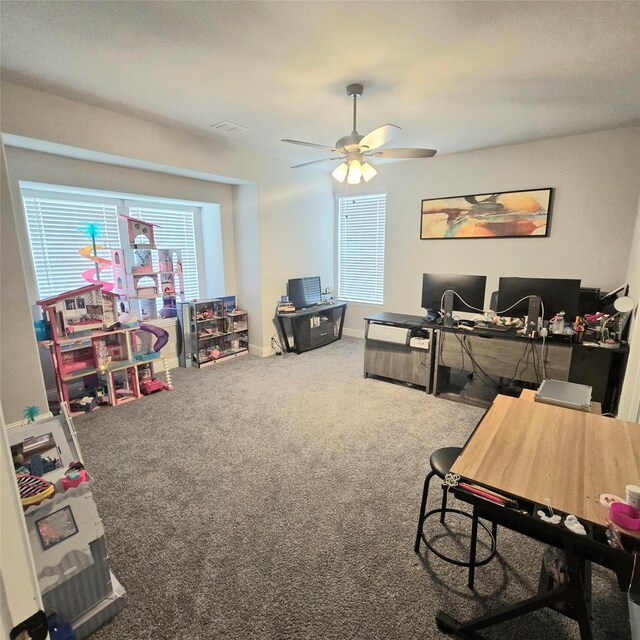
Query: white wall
[
  {"x": 595, "y": 177},
  {"x": 21, "y": 384},
  {"x": 629, "y": 407}
]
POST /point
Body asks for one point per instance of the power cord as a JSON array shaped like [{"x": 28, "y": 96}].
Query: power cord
[{"x": 276, "y": 347}]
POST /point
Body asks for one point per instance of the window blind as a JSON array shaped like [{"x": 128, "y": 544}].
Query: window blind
[
  {"x": 361, "y": 231},
  {"x": 55, "y": 223},
  {"x": 176, "y": 230}
]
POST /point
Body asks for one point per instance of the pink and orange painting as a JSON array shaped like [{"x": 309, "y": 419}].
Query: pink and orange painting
[{"x": 510, "y": 214}]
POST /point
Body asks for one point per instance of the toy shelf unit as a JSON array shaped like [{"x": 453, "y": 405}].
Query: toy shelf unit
[
  {"x": 94, "y": 365},
  {"x": 213, "y": 331}
]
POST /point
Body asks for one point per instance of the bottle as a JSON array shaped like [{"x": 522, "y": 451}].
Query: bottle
[{"x": 633, "y": 496}]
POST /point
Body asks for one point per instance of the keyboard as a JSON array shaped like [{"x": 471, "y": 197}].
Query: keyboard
[{"x": 498, "y": 328}]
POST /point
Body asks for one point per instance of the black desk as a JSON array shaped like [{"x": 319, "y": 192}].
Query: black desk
[
  {"x": 313, "y": 327},
  {"x": 511, "y": 356}
]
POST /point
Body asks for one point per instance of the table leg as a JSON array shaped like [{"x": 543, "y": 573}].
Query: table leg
[{"x": 467, "y": 630}]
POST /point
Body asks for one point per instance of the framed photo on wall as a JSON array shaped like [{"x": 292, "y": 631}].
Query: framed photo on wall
[
  {"x": 506, "y": 214},
  {"x": 56, "y": 527}
]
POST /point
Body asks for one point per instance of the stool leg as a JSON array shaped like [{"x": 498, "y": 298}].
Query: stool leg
[
  {"x": 494, "y": 531},
  {"x": 445, "y": 493},
  {"x": 423, "y": 508},
  {"x": 472, "y": 547}
]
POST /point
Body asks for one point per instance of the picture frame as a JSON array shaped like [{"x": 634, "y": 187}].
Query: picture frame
[
  {"x": 504, "y": 214},
  {"x": 56, "y": 527}
]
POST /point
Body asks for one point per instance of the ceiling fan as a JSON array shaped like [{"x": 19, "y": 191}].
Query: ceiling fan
[{"x": 355, "y": 150}]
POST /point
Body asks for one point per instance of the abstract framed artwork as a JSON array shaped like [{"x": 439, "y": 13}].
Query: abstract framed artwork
[{"x": 507, "y": 214}]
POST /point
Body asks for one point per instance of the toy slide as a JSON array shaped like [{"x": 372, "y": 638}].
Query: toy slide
[
  {"x": 161, "y": 335},
  {"x": 102, "y": 263}
]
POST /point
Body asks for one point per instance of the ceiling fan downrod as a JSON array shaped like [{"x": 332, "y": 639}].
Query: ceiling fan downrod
[{"x": 354, "y": 91}]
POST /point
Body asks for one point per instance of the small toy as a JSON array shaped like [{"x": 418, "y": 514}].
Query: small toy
[
  {"x": 152, "y": 386},
  {"x": 33, "y": 490},
  {"x": 73, "y": 476},
  {"x": 31, "y": 413},
  {"x": 167, "y": 374}
]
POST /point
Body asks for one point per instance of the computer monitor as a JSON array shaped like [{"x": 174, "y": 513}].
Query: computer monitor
[
  {"x": 470, "y": 288},
  {"x": 556, "y": 294},
  {"x": 304, "y": 292}
]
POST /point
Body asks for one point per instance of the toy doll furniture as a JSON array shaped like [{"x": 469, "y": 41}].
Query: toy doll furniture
[
  {"x": 108, "y": 363},
  {"x": 67, "y": 537},
  {"x": 213, "y": 331}
]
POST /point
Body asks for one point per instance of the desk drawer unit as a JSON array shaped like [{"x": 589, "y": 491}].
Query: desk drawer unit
[
  {"x": 388, "y": 354},
  {"x": 513, "y": 359}
]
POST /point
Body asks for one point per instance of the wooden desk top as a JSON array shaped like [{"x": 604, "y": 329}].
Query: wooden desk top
[{"x": 537, "y": 451}]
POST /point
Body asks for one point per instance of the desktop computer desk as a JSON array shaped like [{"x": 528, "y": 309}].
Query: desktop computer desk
[
  {"x": 491, "y": 356},
  {"x": 532, "y": 452}
]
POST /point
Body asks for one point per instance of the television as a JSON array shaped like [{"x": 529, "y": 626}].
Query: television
[
  {"x": 469, "y": 289},
  {"x": 304, "y": 292},
  {"x": 556, "y": 294}
]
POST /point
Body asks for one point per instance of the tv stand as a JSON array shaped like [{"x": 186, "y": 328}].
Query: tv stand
[{"x": 313, "y": 327}]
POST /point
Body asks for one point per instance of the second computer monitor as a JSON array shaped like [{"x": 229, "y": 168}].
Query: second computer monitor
[
  {"x": 470, "y": 288},
  {"x": 557, "y": 295}
]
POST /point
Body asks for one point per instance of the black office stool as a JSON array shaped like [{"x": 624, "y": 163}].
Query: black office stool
[{"x": 441, "y": 462}]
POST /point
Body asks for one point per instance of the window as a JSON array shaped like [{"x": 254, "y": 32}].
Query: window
[
  {"x": 361, "y": 225},
  {"x": 176, "y": 231},
  {"x": 56, "y": 221}
]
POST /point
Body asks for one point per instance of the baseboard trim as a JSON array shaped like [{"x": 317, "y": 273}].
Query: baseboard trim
[{"x": 354, "y": 333}]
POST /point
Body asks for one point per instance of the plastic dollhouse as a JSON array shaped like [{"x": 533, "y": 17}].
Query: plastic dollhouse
[
  {"x": 88, "y": 348},
  {"x": 141, "y": 283}
]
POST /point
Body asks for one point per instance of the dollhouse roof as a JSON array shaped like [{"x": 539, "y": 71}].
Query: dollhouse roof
[
  {"x": 74, "y": 293},
  {"x": 149, "y": 224}
]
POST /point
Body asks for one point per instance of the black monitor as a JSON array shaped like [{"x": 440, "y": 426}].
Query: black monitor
[
  {"x": 556, "y": 295},
  {"x": 470, "y": 288},
  {"x": 304, "y": 292}
]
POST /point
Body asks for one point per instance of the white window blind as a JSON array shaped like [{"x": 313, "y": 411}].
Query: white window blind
[
  {"x": 361, "y": 230},
  {"x": 176, "y": 231},
  {"x": 55, "y": 222}
]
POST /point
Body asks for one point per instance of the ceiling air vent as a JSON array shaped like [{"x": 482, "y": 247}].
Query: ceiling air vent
[{"x": 228, "y": 127}]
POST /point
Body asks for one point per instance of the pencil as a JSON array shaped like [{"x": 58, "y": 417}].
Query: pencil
[{"x": 482, "y": 494}]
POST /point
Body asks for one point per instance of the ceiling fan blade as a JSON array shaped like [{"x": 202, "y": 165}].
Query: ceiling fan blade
[
  {"x": 402, "y": 153},
  {"x": 308, "y": 144},
  {"x": 380, "y": 136},
  {"x": 306, "y": 164}
]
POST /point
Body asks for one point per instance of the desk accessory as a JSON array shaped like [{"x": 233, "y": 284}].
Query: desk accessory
[
  {"x": 573, "y": 524},
  {"x": 565, "y": 394},
  {"x": 633, "y": 496},
  {"x": 625, "y": 515}
]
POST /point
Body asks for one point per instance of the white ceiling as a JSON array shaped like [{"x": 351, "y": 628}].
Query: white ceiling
[{"x": 454, "y": 75}]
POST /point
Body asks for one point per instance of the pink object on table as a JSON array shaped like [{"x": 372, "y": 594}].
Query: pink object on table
[
  {"x": 67, "y": 483},
  {"x": 625, "y": 515}
]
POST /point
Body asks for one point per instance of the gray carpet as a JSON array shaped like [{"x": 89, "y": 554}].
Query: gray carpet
[{"x": 278, "y": 498}]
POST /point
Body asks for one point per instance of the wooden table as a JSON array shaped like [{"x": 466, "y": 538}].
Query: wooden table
[{"x": 532, "y": 452}]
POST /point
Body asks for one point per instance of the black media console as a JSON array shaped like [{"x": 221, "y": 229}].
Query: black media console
[{"x": 313, "y": 327}]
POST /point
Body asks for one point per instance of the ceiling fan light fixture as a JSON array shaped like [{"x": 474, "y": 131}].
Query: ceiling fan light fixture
[
  {"x": 355, "y": 172},
  {"x": 340, "y": 172},
  {"x": 368, "y": 171}
]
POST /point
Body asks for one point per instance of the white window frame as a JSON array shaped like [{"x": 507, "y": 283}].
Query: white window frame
[{"x": 361, "y": 248}]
